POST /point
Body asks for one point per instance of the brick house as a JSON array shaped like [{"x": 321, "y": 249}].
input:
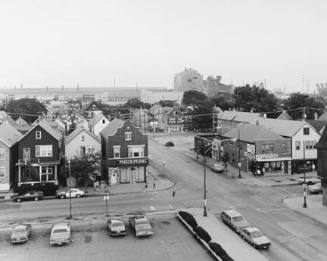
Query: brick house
[
  {"x": 125, "y": 151},
  {"x": 38, "y": 159}
]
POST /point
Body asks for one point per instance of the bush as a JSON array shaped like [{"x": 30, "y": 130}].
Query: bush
[
  {"x": 226, "y": 258},
  {"x": 215, "y": 247},
  {"x": 169, "y": 144},
  {"x": 189, "y": 219},
  {"x": 203, "y": 234}
]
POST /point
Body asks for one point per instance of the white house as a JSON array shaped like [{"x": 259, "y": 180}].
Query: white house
[
  {"x": 303, "y": 140},
  {"x": 98, "y": 123},
  {"x": 81, "y": 142}
]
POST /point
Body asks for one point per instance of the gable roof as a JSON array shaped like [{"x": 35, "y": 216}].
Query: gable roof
[
  {"x": 87, "y": 106},
  {"x": 239, "y": 116},
  {"x": 20, "y": 121},
  {"x": 322, "y": 143},
  {"x": 112, "y": 127},
  {"x": 97, "y": 118},
  {"x": 323, "y": 117},
  {"x": 9, "y": 135},
  {"x": 21, "y": 128},
  {"x": 252, "y": 132},
  {"x": 284, "y": 116},
  {"x": 44, "y": 125},
  {"x": 77, "y": 131},
  {"x": 286, "y": 128},
  {"x": 317, "y": 124}
]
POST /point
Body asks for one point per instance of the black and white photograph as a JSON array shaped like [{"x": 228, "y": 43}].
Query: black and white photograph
[{"x": 163, "y": 130}]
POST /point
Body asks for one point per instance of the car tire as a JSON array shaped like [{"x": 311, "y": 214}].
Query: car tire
[
  {"x": 18, "y": 200},
  {"x": 62, "y": 196},
  {"x": 36, "y": 199},
  {"x": 78, "y": 195}
]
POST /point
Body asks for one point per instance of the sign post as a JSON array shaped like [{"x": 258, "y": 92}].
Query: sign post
[{"x": 106, "y": 198}]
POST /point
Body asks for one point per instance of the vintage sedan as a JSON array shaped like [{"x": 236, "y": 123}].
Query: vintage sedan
[
  {"x": 20, "y": 233},
  {"x": 141, "y": 226},
  {"x": 60, "y": 234},
  {"x": 30, "y": 195},
  {"x": 315, "y": 188},
  {"x": 116, "y": 227},
  {"x": 308, "y": 180},
  {"x": 217, "y": 167},
  {"x": 234, "y": 219},
  {"x": 74, "y": 193},
  {"x": 255, "y": 238}
]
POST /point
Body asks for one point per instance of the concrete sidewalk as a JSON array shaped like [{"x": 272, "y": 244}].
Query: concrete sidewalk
[
  {"x": 315, "y": 210},
  {"x": 271, "y": 180}
]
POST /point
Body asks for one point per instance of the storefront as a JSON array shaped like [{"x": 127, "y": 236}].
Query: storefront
[
  {"x": 271, "y": 163},
  {"x": 129, "y": 170}
]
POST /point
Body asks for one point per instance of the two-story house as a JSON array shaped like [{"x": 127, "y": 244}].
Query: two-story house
[
  {"x": 125, "y": 152},
  {"x": 81, "y": 142},
  {"x": 9, "y": 137},
  {"x": 38, "y": 159},
  {"x": 257, "y": 148}
]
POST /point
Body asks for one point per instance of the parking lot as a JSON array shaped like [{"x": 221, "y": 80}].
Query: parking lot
[{"x": 171, "y": 241}]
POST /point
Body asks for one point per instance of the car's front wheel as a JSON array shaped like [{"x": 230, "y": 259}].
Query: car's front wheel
[
  {"x": 36, "y": 199},
  {"x": 78, "y": 195},
  {"x": 18, "y": 200},
  {"x": 62, "y": 196}
]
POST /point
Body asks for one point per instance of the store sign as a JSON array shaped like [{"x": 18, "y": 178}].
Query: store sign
[
  {"x": 141, "y": 161},
  {"x": 266, "y": 156}
]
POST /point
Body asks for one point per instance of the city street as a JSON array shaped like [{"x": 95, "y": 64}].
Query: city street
[{"x": 294, "y": 237}]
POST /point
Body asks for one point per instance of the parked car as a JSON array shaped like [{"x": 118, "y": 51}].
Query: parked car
[
  {"x": 255, "y": 238},
  {"x": 61, "y": 193},
  {"x": 309, "y": 180},
  {"x": 141, "y": 226},
  {"x": 74, "y": 193},
  {"x": 116, "y": 227},
  {"x": 315, "y": 188},
  {"x": 20, "y": 233},
  {"x": 60, "y": 234},
  {"x": 30, "y": 195},
  {"x": 169, "y": 144},
  {"x": 234, "y": 219},
  {"x": 217, "y": 167}
]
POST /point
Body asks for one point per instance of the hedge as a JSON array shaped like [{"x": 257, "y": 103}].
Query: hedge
[
  {"x": 189, "y": 219},
  {"x": 215, "y": 247},
  {"x": 203, "y": 234}
]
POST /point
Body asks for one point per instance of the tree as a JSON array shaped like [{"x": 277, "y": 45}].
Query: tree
[
  {"x": 254, "y": 98},
  {"x": 167, "y": 103},
  {"x": 310, "y": 106},
  {"x": 136, "y": 103},
  {"x": 224, "y": 101},
  {"x": 26, "y": 106},
  {"x": 202, "y": 119},
  {"x": 193, "y": 98}
]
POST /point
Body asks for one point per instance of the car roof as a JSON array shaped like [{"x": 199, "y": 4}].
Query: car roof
[
  {"x": 232, "y": 212},
  {"x": 116, "y": 220},
  {"x": 251, "y": 229},
  {"x": 61, "y": 225},
  {"x": 20, "y": 226},
  {"x": 141, "y": 219}
]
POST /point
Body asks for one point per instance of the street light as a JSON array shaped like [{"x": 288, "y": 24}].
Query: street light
[{"x": 70, "y": 192}]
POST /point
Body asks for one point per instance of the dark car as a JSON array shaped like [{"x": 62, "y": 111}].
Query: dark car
[
  {"x": 169, "y": 144},
  {"x": 141, "y": 226},
  {"x": 30, "y": 195}
]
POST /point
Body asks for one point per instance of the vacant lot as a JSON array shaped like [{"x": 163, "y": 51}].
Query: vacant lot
[{"x": 171, "y": 241}]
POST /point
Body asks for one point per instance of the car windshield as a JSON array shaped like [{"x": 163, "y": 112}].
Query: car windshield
[
  {"x": 116, "y": 224},
  {"x": 60, "y": 230},
  {"x": 238, "y": 218},
  {"x": 20, "y": 230},
  {"x": 142, "y": 222},
  {"x": 256, "y": 234}
]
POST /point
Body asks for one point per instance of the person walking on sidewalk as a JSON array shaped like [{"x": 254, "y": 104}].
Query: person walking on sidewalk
[{"x": 154, "y": 184}]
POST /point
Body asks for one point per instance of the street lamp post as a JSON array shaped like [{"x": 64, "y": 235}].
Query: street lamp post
[
  {"x": 204, "y": 185},
  {"x": 70, "y": 192},
  {"x": 239, "y": 164}
]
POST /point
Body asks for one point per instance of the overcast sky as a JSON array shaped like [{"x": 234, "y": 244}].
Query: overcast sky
[{"x": 50, "y": 43}]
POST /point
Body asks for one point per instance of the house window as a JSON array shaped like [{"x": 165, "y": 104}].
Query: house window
[
  {"x": 43, "y": 151},
  {"x": 136, "y": 152},
  {"x": 47, "y": 174},
  {"x": 297, "y": 145},
  {"x": 306, "y": 131},
  {"x": 82, "y": 151},
  {"x": 267, "y": 148},
  {"x": 284, "y": 148},
  {"x": 116, "y": 152},
  {"x": 2, "y": 154},
  {"x": 103, "y": 121},
  {"x": 83, "y": 138},
  {"x": 309, "y": 145},
  {"x": 38, "y": 135},
  {"x": 128, "y": 136},
  {"x": 26, "y": 154},
  {"x": 2, "y": 172}
]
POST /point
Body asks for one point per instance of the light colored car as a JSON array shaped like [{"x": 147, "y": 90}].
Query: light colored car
[
  {"x": 116, "y": 227},
  {"x": 141, "y": 226},
  {"x": 315, "y": 188},
  {"x": 60, "y": 234},
  {"x": 20, "y": 233},
  {"x": 217, "y": 167},
  {"x": 74, "y": 193},
  {"x": 309, "y": 180},
  {"x": 255, "y": 238},
  {"x": 234, "y": 219}
]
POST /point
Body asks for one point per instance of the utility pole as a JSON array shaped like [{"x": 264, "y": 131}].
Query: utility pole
[
  {"x": 239, "y": 154},
  {"x": 204, "y": 183},
  {"x": 70, "y": 192},
  {"x": 304, "y": 179}
]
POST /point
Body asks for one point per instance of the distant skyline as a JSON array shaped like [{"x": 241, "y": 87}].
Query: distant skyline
[{"x": 146, "y": 42}]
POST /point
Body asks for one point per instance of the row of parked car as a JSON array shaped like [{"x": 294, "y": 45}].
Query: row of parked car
[
  {"x": 241, "y": 226},
  {"x": 38, "y": 195},
  {"x": 61, "y": 233}
]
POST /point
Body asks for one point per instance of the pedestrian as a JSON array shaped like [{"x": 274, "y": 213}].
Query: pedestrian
[
  {"x": 263, "y": 171},
  {"x": 154, "y": 184},
  {"x": 174, "y": 193},
  {"x": 258, "y": 172}
]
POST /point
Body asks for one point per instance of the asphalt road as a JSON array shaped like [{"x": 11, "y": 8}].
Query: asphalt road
[{"x": 294, "y": 237}]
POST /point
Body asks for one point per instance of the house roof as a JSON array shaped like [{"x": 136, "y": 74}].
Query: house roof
[
  {"x": 317, "y": 124},
  {"x": 85, "y": 107},
  {"x": 77, "y": 131},
  {"x": 21, "y": 128},
  {"x": 284, "y": 116},
  {"x": 20, "y": 121},
  {"x": 96, "y": 119},
  {"x": 112, "y": 127},
  {"x": 44, "y": 125},
  {"x": 286, "y": 128},
  {"x": 239, "y": 116},
  {"x": 323, "y": 117},
  {"x": 322, "y": 143},
  {"x": 251, "y": 133},
  {"x": 9, "y": 135}
]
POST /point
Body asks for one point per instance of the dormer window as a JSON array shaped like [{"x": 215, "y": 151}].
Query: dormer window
[
  {"x": 83, "y": 138},
  {"x": 38, "y": 135}
]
